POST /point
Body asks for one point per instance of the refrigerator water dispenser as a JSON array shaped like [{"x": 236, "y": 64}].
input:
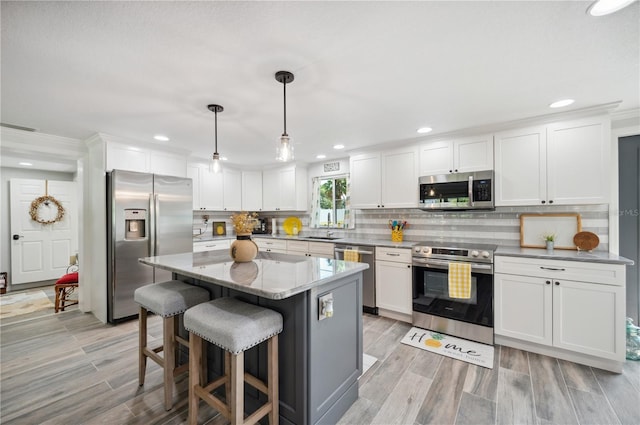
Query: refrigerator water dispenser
[{"x": 135, "y": 224}]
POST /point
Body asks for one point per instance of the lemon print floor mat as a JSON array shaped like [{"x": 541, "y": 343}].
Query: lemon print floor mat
[{"x": 446, "y": 345}]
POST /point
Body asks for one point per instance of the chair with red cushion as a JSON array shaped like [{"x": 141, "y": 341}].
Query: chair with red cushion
[{"x": 65, "y": 286}]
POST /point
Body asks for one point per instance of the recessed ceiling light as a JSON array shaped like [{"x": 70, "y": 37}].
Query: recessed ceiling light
[
  {"x": 26, "y": 164},
  {"x": 561, "y": 103},
  {"x": 161, "y": 138},
  {"x": 321, "y": 156},
  {"x": 606, "y": 7},
  {"x": 423, "y": 130},
  {"x": 338, "y": 146}
]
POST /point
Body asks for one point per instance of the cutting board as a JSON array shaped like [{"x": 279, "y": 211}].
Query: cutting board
[{"x": 564, "y": 226}]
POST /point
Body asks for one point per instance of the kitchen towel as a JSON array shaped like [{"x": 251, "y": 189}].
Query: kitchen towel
[
  {"x": 459, "y": 280},
  {"x": 351, "y": 255}
]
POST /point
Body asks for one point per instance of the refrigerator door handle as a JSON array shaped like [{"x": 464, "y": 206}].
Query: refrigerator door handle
[{"x": 153, "y": 203}]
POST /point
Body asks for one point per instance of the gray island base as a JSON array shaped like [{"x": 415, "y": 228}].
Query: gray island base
[{"x": 320, "y": 360}]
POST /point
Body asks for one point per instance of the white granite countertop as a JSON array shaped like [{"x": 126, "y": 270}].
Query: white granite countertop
[
  {"x": 563, "y": 254},
  {"x": 269, "y": 275},
  {"x": 346, "y": 240}
]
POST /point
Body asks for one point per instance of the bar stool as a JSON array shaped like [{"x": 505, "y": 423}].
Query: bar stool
[
  {"x": 168, "y": 300},
  {"x": 234, "y": 326}
]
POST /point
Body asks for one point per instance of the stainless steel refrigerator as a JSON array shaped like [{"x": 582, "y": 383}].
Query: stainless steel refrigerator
[{"x": 148, "y": 215}]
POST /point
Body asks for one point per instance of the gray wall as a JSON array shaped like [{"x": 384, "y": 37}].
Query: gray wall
[{"x": 7, "y": 174}]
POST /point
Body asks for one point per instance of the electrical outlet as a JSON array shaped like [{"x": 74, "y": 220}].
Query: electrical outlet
[{"x": 325, "y": 306}]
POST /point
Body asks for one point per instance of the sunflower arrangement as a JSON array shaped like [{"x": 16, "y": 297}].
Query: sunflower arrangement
[{"x": 244, "y": 222}]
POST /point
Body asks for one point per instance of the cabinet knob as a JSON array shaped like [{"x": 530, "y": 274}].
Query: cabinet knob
[
  {"x": 551, "y": 202},
  {"x": 451, "y": 171},
  {"x": 408, "y": 266},
  {"x": 456, "y": 171},
  {"x": 544, "y": 202},
  {"x": 548, "y": 282},
  {"x": 557, "y": 283}
]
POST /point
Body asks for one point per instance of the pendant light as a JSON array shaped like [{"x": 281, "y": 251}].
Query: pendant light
[
  {"x": 284, "y": 151},
  {"x": 216, "y": 164}
]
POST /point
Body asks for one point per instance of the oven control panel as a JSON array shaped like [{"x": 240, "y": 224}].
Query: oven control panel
[{"x": 456, "y": 253}]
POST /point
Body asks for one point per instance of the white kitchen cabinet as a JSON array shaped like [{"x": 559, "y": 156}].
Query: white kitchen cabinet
[
  {"x": 563, "y": 163},
  {"x": 212, "y": 245},
  {"x": 284, "y": 189},
  {"x": 393, "y": 282},
  {"x": 456, "y": 156},
  {"x": 574, "y": 306},
  {"x": 168, "y": 164},
  {"x": 215, "y": 192},
  {"x": 193, "y": 172},
  {"x": 271, "y": 245},
  {"x": 387, "y": 179},
  {"x": 231, "y": 189},
  {"x": 252, "y": 190},
  {"x": 122, "y": 156},
  {"x": 310, "y": 249}
]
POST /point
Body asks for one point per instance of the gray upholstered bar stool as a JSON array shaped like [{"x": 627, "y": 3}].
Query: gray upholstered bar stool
[
  {"x": 234, "y": 326},
  {"x": 168, "y": 300}
]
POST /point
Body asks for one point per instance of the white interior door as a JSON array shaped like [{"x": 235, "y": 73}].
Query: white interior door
[{"x": 41, "y": 251}]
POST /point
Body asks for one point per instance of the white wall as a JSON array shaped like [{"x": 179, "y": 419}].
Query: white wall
[{"x": 7, "y": 174}]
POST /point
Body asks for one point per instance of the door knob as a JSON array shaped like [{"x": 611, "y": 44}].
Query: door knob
[{"x": 16, "y": 237}]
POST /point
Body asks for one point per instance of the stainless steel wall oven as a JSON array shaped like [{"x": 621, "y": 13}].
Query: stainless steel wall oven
[{"x": 470, "y": 318}]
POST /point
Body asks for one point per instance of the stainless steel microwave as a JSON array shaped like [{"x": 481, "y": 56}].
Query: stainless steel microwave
[{"x": 457, "y": 191}]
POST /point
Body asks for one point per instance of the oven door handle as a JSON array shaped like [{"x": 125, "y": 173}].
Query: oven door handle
[{"x": 475, "y": 267}]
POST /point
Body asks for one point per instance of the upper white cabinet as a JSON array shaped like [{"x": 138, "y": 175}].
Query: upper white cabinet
[
  {"x": 231, "y": 189},
  {"x": 386, "y": 179},
  {"x": 562, "y": 163},
  {"x": 252, "y": 190},
  {"x": 457, "y": 156},
  {"x": 122, "y": 156},
  {"x": 215, "y": 192},
  {"x": 284, "y": 189}
]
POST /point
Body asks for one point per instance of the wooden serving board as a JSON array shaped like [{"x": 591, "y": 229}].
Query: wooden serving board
[{"x": 533, "y": 227}]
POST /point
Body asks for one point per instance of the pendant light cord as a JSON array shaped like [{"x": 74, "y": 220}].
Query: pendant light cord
[
  {"x": 284, "y": 83},
  {"x": 216, "y": 130}
]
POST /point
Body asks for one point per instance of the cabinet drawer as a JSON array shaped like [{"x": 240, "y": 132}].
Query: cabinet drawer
[
  {"x": 397, "y": 255},
  {"x": 264, "y": 243},
  {"x": 610, "y": 274},
  {"x": 211, "y": 245},
  {"x": 297, "y": 246},
  {"x": 322, "y": 248}
]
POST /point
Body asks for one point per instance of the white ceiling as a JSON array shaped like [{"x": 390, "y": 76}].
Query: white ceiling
[{"x": 366, "y": 73}]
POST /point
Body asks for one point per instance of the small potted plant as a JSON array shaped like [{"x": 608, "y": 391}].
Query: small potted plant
[{"x": 549, "y": 239}]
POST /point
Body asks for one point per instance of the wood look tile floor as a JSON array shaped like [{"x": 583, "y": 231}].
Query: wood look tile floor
[{"x": 68, "y": 368}]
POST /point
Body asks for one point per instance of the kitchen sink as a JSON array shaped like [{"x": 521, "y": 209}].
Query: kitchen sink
[{"x": 323, "y": 238}]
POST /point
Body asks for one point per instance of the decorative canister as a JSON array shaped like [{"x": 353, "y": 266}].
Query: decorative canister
[
  {"x": 396, "y": 236},
  {"x": 243, "y": 249}
]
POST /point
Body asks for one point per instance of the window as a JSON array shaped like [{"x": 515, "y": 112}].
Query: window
[{"x": 331, "y": 202}]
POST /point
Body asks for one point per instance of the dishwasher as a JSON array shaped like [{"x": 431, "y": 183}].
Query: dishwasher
[{"x": 367, "y": 255}]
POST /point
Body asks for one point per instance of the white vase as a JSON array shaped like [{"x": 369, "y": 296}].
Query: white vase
[{"x": 549, "y": 245}]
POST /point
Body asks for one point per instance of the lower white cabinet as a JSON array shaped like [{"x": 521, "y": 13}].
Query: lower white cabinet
[
  {"x": 573, "y": 306},
  {"x": 393, "y": 281},
  {"x": 213, "y": 245},
  {"x": 310, "y": 249}
]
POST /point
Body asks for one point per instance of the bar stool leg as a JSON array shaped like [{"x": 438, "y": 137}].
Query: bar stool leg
[
  {"x": 142, "y": 344},
  {"x": 195, "y": 369},
  {"x": 227, "y": 377},
  {"x": 272, "y": 380},
  {"x": 169, "y": 363},
  {"x": 236, "y": 403}
]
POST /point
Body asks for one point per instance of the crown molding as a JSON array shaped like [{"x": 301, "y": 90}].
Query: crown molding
[{"x": 29, "y": 142}]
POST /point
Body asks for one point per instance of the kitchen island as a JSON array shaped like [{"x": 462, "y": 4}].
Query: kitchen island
[{"x": 320, "y": 357}]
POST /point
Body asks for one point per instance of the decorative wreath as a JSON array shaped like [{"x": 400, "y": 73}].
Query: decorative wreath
[{"x": 46, "y": 201}]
